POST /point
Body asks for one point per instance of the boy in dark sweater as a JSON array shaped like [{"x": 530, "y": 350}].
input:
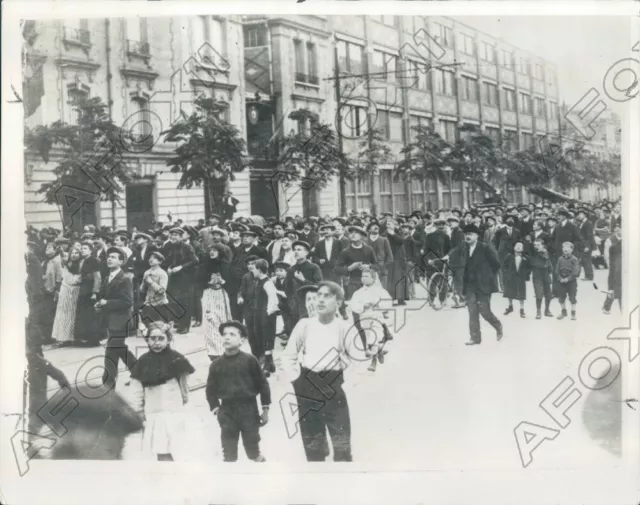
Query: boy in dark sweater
[
  {"x": 541, "y": 270},
  {"x": 234, "y": 381},
  {"x": 567, "y": 271},
  {"x": 354, "y": 259}
]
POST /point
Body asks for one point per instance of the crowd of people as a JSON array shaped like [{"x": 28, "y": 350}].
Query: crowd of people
[{"x": 304, "y": 282}]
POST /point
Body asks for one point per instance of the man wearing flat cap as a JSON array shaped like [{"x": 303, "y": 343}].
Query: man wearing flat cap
[
  {"x": 325, "y": 253},
  {"x": 585, "y": 227},
  {"x": 354, "y": 259},
  {"x": 565, "y": 231},
  {"x": 180, "y": 263},
  {"x": 481, "y": 266},
  {"x": 140, "y": 264}
]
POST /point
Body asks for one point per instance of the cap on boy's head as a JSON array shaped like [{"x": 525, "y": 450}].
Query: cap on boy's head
[
  {"x": 281, "y": 264},
  {"x": 234, "y": 324},
  {"x": 567, "y": 244}
]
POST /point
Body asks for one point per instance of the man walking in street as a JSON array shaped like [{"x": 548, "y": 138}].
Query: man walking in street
[
  {"x": 115, "y": 304},
  {"x": 481, "y": 267}
]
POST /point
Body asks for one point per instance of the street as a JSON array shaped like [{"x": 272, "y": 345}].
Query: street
[{"x": 435, "y": 403}]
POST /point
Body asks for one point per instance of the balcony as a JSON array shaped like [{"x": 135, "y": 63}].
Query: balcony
[
  {"x": 307, "y": 79},
  {"x": 138, "y": 49},
  {"x": 76, "y": 37}
]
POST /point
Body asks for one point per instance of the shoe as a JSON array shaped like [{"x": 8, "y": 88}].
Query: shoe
[
  {"x": 371, "y": 368},
  {"x": 563, "y": 314},
  {"x": 269, "y": 365},
  {"x": 472, "y": 342},
  {"x": 538, "y": 315},
  {"x": 548, "y": 313},
  {"x": 508, "y": 311},
  {"x": 381, "y": 357},
  {"x": 522, "y": 313},
  {"x": 197, "y": 323},
  {"x": 260, "y": 459},
  {"x": 573, "y": 315},
  {"x": 499, "y": 335},
  {"x": 605, "y": 311},
  {"x": 183, "y": 331}
]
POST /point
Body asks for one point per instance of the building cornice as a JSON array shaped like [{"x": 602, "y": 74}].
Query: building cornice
[
  {"x": 298, "y": 96},
  {"x": 130, "y": 74},
  {"x": 280, "y": 21},
  {"x": 74, "y": 64}
]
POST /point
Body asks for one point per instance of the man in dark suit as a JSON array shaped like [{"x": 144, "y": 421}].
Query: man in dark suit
[
  {"x": 566, "y": 231},
  {"x": 325, "y": 253},
  {"x": 504, "y": 240},
  {"x": 481, "y": 266},
  {"x": 115, "y": 304},
  {"x": 588, "y": 243}
]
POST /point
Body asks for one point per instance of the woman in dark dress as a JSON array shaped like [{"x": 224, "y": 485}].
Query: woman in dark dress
[
  {"x": 397, "y": 274},
  {"x": 87, "y": 329}
]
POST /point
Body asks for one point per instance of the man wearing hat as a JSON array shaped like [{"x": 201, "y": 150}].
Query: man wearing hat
[
  {"x": 303, "y": 272},
  {"x": 526, "y": 222},
  {"x": 121, "y": 241},
  {"x": 585, "y": 226},
  {"x": 115, "y": 306},
  {"x": 273, "y": 249},
  {"x": 325, "y": 253},
  {"x": 180, "y": 263},
  {"x": 239, "y": 268},
  {"x": 354, "y": 259},
  {"x": 456, "y": 235},
  {"x": 382, "y": 249},
  {"x": 566, "y": 231},
  {"x": 339, "y": 234},
  {"x": 481, "y": 266},
  {"x": 309, "y": 235},
  {"x": 139, "y": 265}
]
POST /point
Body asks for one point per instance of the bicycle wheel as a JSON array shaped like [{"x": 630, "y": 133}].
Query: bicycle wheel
[{"x": 437, "y": 289}]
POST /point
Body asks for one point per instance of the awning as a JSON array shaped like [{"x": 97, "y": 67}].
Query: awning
[{"x": 552, "y": 196}]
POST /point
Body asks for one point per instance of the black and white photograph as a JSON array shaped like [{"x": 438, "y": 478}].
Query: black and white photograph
[{"x": 323, "y": 241}]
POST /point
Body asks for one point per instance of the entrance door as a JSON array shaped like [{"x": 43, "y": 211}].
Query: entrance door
[
  {"x": 140, "y": 205},
  {"x": 263, "y": 196}
]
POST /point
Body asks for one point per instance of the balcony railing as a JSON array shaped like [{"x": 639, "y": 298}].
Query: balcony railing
[
  {"x": 77, "y": 35},
  {"x": 307, "y": 79},
  {"x": 138, "y": 47}
]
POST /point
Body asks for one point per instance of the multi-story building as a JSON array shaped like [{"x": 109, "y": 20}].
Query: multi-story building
[
  {"x": 147, "y": 69},
  {"x": 374, "y": 66}
]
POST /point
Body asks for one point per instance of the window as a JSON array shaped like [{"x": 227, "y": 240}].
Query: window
[
  {"x": 506, "y": 59},
  {"x": 77, "y": 30},
  {"x": 255, "y": 36},
  {"x": 306, "y": 62},
  {"x": 350, "y": 57},
  {"x": 469, "y": 90},
  {"x": 208, "y": 40},
  {"x": 354, "y": 121},
  {"x": 524, "y": 66},
  {"x": 142, "y": 130},
  {"x": 76, "y": 95},
  {"x": 444, "y": 36},
  {"x": 525, "y": 103},
  {"x": 488, "y": 52},
  {"x": 551, "y": 77},
  {"x": 136, "y": 34},
  {"x": 510, "y": 141},
  {"x": 415, "y": 121},
  {"x": 539, "y": 72},
  {"x": 490, "y": 94},
  {"x": 539, "y": 107},
  {"x": 449, "y": 130},
  {"x": 466, "y": 44},
  {"x": 384, "y": 66},
  {"x": 509, "y": 99},
  {"x": 418, "y": 75},
  {"x": 553, "y": 110},
  {"x": 527, "y": 141},
  {"x": 391, "y": 123},
  {"x": 444, "y": 82},
  {"x": 493, "y": 134}
]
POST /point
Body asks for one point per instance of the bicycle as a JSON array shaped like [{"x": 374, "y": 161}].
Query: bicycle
[{"x": 438, "y": 283}]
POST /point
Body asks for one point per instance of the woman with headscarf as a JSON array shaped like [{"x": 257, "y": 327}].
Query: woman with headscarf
[{"x": 65, "y": 320}]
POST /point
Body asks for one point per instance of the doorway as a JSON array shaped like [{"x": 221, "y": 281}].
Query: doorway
[{"x": 140, "y": 205}]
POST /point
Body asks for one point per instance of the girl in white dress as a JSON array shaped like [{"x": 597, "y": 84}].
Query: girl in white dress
[
  {"x": 65, "y": 318},
  {"x": 160, "y": 392},
  {"x": 215, "y": 306}
]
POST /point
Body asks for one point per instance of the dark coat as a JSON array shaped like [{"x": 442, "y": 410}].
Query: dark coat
[
  {"x": 436, "y": 245},
  {"x": 515, "y": 281},
  {"x": 140, "y": 264},
  {"x": 327, "y": 267},
  {"x": 116, "y": 314},
  {"x": 480, "y": 271},
  {"x": 615, "y": 269},
  {"x": 503, "y": 242},
  {"x": 566, "y": 233},
  {"x": 587, "y": 236},
  {"x": 457, "y": 237},
  {"x": 312, "y": 275}
]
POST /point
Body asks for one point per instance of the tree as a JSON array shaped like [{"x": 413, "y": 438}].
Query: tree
[
  {"x": 374, "y": 151},
  {"x": 92, "y": 164},
  {"x": 426, "y": 157},
  {"x": 210, "y": 151},
  {"x": 311, "y": 157}
]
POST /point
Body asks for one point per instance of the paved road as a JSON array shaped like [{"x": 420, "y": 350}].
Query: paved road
[{"x": 436, "y": 403}]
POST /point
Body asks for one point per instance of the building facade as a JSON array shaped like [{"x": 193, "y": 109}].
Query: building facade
[{"x": 386, "y": 72}]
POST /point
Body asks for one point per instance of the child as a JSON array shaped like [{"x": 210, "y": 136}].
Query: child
[
  {"x": 515, "y": 274},
  {"x": 542, "y": 270},
  {"x": 567, "y": 271},
  {"x": 154, "y": 291},
  {"x": 234, "y": 381},
  {"x": 215, "y": 305},
  {"x": 365, "y": 318},
  {"x": 280, "y": 268},
  {"x": 160, "y": 391}
]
